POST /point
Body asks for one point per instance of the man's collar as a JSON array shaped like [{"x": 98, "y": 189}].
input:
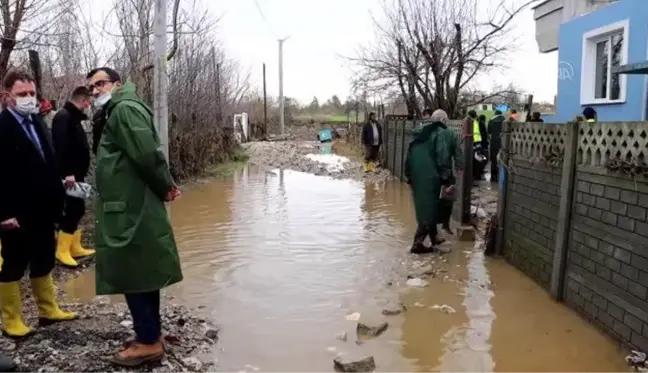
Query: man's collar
[{"x": 19, "y": 117}]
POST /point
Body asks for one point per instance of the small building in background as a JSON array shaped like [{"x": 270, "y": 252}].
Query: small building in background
[{"x": 595, "y": 39}]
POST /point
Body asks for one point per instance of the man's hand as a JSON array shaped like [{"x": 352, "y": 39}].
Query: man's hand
[
  {"x": 70, "y": 181},
  {"x": 9, "y": 224},
  {"x": 172, "y": 195}
]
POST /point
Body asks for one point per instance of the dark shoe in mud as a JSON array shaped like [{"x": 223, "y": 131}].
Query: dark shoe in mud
[
  {"x": 7, "y": 364},
  {"x": 438, "y": 241},
  {"x": 422, "y": 249}
]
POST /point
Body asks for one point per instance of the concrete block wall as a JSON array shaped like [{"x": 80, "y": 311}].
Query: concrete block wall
[
  {"x": 607, "y": 265},
  {"x": 531, "y": 217}
]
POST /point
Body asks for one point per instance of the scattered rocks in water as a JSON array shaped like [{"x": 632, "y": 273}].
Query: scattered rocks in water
[
  {"x": 366, "y": 330},
  {"x": 343, "y": 364},
  {"x": 342, "y": 336},
  {"x": 394, "y": 310},
  {"x": 83, "y": 345},
  {"x": 421, "y": 273},
  {"x": 417, "y": 282}
]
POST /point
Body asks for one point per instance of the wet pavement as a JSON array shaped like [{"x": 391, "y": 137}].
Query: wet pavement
[{"x": 282, "y": 260}]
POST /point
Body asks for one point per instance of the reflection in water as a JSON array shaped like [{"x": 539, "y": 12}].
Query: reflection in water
[{"x": 279, "y": 258}]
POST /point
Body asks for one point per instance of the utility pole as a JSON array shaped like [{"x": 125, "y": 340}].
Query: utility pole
[
  {"x": 281, "y": 97},
  {"x": 160, "y": 84},
  {"x": 265, "y": 105}
]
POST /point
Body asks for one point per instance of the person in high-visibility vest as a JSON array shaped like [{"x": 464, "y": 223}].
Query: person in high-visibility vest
[
  {"x": 479, "y": 138},
  {"x": 590, "y": 114}
]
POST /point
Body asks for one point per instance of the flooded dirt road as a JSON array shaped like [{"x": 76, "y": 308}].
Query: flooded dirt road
[{"x": 282, "y": 260}]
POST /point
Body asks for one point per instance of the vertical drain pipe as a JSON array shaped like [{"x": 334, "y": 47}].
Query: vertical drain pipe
[{"x": 503, "y": 170}]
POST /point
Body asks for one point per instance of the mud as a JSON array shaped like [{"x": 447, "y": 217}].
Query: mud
[
  {"x": 294, "y": 155},
  {"x": 85, "y": 344}
]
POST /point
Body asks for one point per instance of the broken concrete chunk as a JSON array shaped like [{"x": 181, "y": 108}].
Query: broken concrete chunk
[
  {"x": 355, "y": 365},
  {"x": 394, "y": 310},
  {"x": 422, "y": 273},
  {"x": 365, "y": 330},
  {"x": 342, "y": 336},
  {"x": 417, "y": 282}
]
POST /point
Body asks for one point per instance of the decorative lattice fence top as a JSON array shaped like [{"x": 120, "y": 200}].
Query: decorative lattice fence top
[
  {"x": 601, "y": 142},
  {"x": 536, "y": 141}
]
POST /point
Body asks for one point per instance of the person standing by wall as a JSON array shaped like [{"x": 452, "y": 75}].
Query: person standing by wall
[
  {"x": 590, "y": 114},
  {"x": 447, "y": 175},
  {"x": 371, "y": 140},
  {"x": 136, "y": 249},
  {"x": 495, "y": 133},
  {"x": 428, "y": 162},
  {"x": 31, "y": 203},
  {"x": 73, "y": 154}
]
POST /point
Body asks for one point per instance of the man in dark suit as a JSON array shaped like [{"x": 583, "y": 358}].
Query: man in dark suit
[
  {"x": 31, "y": 203},
  {"x": 73, "y": 155}
]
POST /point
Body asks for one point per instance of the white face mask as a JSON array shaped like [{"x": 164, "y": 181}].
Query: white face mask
[
  {"x": 26, "y": 105},
  {"x": 102, "y": 99}
]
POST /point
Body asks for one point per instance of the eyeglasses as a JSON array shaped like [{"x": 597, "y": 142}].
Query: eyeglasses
[{"x": 98, "y": 84}]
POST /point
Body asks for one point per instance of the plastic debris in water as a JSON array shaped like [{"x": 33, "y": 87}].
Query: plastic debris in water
[
  {"x": 443, "y": 308},
  {"x": 417, "y": 282},
  {"x": 353, "y": 317}
]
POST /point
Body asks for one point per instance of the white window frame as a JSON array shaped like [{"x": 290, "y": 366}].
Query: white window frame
[{"x": 588, "y": 63}]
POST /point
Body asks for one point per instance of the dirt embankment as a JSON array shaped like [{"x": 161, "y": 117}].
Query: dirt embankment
[{"x": 311, "y": 157}]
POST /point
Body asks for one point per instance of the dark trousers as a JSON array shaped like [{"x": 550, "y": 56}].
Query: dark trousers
[
  {"x": 422, "y": 231},
  {"x": 32, "y": 246},
  {"x": 445, "y": 211},
  {"x": 371, "y": 153},
  {"x": 145, "y": 310},
  {"x": 493, "y": 162},
  {"x": 72, "y": 214}
]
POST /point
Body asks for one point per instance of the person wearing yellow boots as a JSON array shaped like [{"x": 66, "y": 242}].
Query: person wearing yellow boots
[
  {"x": 371, "y": 140},
  {"x": 73, "y": 154},
  {"x": 31, "y": 203}
]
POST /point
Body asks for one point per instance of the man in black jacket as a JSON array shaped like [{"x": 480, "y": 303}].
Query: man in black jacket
[
  {"x": 495, "y": 133},
  {"x": 371, "y": 140},
  {"x": 31, "y": 203},
  {"x": 73, "y": 155}
]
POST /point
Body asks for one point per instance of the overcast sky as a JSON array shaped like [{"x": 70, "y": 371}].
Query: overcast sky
[{"x": 321, "y": 30}]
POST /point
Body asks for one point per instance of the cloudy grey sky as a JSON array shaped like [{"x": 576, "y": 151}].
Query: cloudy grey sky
[{"x": 320, "y": 31}]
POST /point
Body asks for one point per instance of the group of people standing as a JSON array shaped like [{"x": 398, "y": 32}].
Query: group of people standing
[{"x": 136, "y": 253}]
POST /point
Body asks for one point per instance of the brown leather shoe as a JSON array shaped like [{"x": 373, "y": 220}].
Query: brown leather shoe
[{"x": 137, "y": 354}]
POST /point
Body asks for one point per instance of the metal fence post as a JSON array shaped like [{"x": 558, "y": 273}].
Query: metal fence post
[
  {"x": 403, "y": 151},
  {"x": 564, "y": 211},
  {"x": 393, "y": 164},
  {"x": 467, "y": 177},
  {"x": 503, "y": 184}
]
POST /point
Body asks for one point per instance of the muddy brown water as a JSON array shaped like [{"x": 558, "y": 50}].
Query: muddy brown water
[{"x": 280, "y": 259}]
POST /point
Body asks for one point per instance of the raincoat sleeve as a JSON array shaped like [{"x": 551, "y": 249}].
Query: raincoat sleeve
[
  {"x": 135, "y": 135},
  {"x": 456, "y": 151}
]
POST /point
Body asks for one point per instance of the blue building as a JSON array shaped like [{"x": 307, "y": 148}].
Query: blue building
[{"x": 602, "y": 52}]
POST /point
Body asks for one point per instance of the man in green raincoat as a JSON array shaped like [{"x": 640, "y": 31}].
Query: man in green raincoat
[
  {"x": 136, "y": 249},
  {"x": 429, "y": 163}
]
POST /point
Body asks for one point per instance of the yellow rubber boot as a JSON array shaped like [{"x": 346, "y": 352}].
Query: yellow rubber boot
[
  {"x": 372, "y": 167},
  {"x": 63, "y": 246},
  {"x": 11, "y": 310},
  {"x": 77, "y": 250},
  {"x": 365, "y": 166},
  {"x": 1, "y": 260},
  {"x": 45, "y": 295}
]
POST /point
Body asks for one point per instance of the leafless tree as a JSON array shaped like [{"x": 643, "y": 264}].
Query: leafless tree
[{"x": 431, "y": 51}]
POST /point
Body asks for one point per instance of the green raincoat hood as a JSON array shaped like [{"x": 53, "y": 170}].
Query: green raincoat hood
[
  {"x": 427, "y": 127},
  {"x": 125, "y": 92}
]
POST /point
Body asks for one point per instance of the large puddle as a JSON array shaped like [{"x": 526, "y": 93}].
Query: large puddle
[{"x": 279, "y": 259}]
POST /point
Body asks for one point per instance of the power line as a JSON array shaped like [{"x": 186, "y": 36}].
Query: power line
[{"x": 256, "y": 3}]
